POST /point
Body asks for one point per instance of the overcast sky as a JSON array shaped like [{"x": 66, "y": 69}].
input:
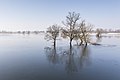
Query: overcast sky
[{"x": 39, "y": 14}]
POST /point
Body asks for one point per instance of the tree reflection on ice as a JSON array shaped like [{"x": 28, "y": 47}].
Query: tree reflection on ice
[{"x": 73, "y": 58}]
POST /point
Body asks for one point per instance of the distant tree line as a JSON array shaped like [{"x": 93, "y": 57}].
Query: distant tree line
[
  {"x": 22, "y": 32},
  {"x": 106, "y": 30}
]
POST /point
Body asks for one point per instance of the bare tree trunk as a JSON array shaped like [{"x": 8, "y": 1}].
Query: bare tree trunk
[
  {"x": 85, "y": 38},
  {"x": 85, "y": 44},
  {"x": 70, "y": 47},
  {"x": 70, "y": 43},
  {"x": 85, "y": 41},
  {"x": 81, "y": 42},
  {"x": 54, "y": 42}
]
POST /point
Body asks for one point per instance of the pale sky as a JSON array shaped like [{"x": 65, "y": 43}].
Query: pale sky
[{"x": 40, "y": 14}]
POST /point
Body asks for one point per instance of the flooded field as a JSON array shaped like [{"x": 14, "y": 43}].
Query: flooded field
[{"x": 30, "y": 57}]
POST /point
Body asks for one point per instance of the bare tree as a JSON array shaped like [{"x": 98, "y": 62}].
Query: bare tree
[
  {"x": 84, "y": 32},
  {"x": 70, "y": 26},
  {"x": 99, "y": 32},
  {"x": 52, "y": 33}
]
